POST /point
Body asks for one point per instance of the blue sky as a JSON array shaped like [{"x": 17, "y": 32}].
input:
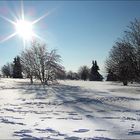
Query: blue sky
[{"x": 82, "y": 31}]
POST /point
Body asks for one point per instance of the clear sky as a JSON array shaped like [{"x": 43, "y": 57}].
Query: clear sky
[{"x": 82, "y": 31}]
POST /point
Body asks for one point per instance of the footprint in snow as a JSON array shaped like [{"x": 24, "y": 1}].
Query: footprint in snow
[
  {"x": 81, "y": 130},
  {"x": 134, "y": 133},
  {"x": 47, "y": 130},
  {"x": 89, "y": 116},
  {"x": 72, "y": 138},
  {"x": 101, "y": 130},
  {"x": 23, "y": 131},
  {"x": 132, "y": 126},
  {"x": 11, "y": 122}
]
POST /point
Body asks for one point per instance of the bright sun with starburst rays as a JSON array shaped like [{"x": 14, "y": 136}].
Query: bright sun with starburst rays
[{"x": 23, "y": 28}]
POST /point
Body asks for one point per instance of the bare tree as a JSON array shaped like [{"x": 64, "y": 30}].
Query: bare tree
[
  {"x": 52, "y": 65},
  {"x": 27, "y": 61},
  {"x": 122, "y": 61},
  {"x": 38, "y": 62},
  {"x": 72, "y": 75},
  {"x": 132, "y": 35},
  {"x": 84, "y": 72}
]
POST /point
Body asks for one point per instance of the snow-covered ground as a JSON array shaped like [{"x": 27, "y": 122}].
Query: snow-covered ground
[{"x": 70, "y": 110}]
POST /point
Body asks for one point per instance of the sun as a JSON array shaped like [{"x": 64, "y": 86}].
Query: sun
[{"x": 24, "y": 29}]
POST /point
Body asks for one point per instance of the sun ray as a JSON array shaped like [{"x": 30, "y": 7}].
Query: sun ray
[
  {"x": 13, "y": 15},
  {"x": 22, "y": 10},
  {"x": 7, "y": 19},
  {"x": 42, "y": 17},
  {"x": 8, "y": 37}
]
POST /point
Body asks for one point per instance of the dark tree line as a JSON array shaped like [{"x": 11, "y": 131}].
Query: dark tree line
[
  {"x": 86, "y": 73},
  {"x": 123, "y": 63},
  {"x": 7, "y": 70},
  {"x": 13, "y": 70}
]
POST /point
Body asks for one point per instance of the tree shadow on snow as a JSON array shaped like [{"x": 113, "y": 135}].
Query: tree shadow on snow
[
  {"x": 95, "y": 105},
  {"x": 92, "y": 104}
]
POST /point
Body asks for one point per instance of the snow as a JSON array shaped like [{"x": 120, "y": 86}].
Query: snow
[{"x": 71, "y": 110}]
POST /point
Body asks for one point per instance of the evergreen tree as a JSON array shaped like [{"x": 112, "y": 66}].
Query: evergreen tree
[
  {"x": 17, "y": 68},
  {"x": 94, "y": 74}
]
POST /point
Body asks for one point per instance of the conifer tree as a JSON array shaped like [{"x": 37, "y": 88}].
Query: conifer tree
[
  {"x": 94, "y": 74},
  {"x": 17, "y": 68}
]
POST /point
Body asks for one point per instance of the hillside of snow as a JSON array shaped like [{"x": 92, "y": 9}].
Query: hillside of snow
[{"x": 71, "y": 110}]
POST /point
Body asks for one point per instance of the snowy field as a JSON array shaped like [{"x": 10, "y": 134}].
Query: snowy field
[{"x": 71, "y": 110}]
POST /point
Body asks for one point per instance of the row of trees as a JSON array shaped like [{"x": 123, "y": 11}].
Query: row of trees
[
  {"x": 35, "y": 62},
  {"x": 13, "y": 69},
  {"x": 31, "y": 64},
  {"x": 85, "y": 73},
  {"x": 7, "y": 70},
  {"x": 123, "y": 63}
]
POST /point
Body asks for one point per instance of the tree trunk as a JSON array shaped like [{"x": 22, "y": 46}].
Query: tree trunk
[
  {"x": 43, "y": 74},
  {"x": 31, "y": 79},
  {"x": 125, "y": 82}
]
